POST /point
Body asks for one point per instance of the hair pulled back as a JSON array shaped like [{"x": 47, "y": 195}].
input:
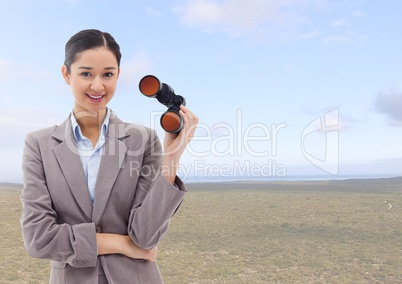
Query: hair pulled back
[{"x": 89, "y": 39}]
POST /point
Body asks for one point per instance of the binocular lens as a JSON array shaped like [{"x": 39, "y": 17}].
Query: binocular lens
[
  {"x": 149, "y": 86},
  {"x": 171, "y": 122}
]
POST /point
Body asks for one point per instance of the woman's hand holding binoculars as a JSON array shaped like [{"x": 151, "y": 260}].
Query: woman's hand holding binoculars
[
  {"x": 175, "y": 144},
  {"x": 178, "y": 122}
]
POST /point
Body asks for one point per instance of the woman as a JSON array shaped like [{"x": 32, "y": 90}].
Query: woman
[{"x": 99, "y": 193}]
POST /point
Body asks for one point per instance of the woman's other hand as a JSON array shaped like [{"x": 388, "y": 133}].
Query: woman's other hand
[{"x": 133, "y": 251}]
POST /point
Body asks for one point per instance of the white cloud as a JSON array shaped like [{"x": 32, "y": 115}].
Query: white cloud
[
  {"x": 72, "y": 2},
  {"x": 332, "y": 118},
  {"x": 8, "y": 69},
  {"x": 152, "y": 11},
  {"x": 309, "y": 35},
  {"x": 200, "y": 13},
  {"x": 14, "y": 125},
  {"x": 390, "y": 104},
  {"x": 238, "y": 17},
  {"x": 359, "y": 14},
  {"x": 347, "y": 37},
  {"x": 260, "y": 20},
  {"x": 339, "y": 23},
  {"x": 133, "y": 70},
  {"x": 347, "y": 4},
  {"x": 343, "y": 39},
  {"x": 5, "y": 68}
]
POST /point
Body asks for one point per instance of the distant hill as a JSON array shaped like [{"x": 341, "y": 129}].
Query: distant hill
[
  {"x": 356, "y": 185},
  {"x": 393, "y": 181},
  {"x": 10, "y": 184}
]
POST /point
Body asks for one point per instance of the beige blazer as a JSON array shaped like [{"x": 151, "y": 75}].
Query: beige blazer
[{"x": 58, "y": 219}]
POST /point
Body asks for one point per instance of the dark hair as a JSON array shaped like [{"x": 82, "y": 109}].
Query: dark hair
[{"x": 89, "y": 39}]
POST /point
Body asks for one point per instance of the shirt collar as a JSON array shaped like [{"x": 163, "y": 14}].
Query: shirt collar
[{"x": 77, "y": 130}]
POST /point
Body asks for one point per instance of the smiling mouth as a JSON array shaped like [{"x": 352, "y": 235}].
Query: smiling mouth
[{"x": 95, "y": 98}]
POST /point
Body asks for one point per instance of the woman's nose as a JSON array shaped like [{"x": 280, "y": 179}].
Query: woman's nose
[{"x": 97, "y": 84}]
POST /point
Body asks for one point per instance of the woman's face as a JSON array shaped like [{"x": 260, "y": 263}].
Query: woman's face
[{"x": 93, "y": 78}]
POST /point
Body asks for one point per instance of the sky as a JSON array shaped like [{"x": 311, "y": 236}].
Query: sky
[{"x": 283, "y": 88}]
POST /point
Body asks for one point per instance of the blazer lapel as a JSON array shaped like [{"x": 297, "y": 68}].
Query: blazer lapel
[
  {"x": 113, "y": 156},
  {"x": 70, "y": 163}
]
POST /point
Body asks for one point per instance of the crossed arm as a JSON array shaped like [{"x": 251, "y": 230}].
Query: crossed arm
[{"x": 122, "y": 244}]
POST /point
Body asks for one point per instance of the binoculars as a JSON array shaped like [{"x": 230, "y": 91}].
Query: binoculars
[{"x": 171, "y": 120}]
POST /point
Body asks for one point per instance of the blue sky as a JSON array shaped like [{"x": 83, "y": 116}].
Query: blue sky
[{"x": 261, "y": 75}]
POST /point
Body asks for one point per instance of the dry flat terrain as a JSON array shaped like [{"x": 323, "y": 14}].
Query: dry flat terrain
[{"x": 274, "y": 232}]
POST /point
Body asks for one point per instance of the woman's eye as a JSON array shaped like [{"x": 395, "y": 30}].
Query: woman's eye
[
  {"x": 85, "y": 74},
  {"x": 109, "y": 74}
]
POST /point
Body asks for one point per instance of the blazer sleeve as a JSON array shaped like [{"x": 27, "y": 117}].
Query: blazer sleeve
[
  {"x": 156, "y": 199},
  {"x": 43, "y": 236}
]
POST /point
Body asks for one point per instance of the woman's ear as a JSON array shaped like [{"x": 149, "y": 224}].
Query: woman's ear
[{"x": 64, "y": 73}]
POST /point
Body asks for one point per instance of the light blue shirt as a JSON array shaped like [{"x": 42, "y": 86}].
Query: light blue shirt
[{"x": 90, "y": 156}]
